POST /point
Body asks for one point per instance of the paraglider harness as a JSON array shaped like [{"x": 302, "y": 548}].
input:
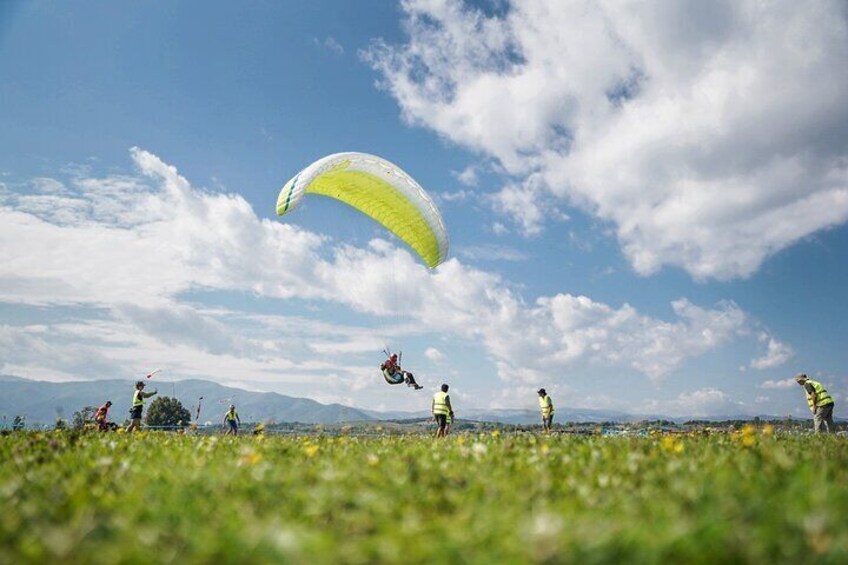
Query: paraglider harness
[
  {"x": 392, "y": 372},
  {"x": 394, "y": 375}
]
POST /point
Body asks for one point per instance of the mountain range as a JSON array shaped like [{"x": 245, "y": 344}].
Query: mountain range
[{"x": 43, "y": 402}]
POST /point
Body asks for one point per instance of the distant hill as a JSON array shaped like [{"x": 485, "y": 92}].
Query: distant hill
[{"x": 43, "y": 402}]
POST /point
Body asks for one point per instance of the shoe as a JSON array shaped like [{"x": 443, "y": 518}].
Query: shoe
[{"x": 418, "y": 387}]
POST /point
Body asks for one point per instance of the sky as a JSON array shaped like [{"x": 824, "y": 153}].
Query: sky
[{"x": 646, "y": 202}]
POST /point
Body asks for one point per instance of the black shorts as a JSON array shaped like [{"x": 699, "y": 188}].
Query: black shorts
[
  {"x": 135, "y": 412},
  {"x": 442, "y": 420}
]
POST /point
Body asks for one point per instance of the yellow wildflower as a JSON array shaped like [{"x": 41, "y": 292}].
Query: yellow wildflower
[{"x": 672, "y": 444}]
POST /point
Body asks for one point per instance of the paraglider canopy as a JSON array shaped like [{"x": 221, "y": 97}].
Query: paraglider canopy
[{"x": 379, "y": 189}]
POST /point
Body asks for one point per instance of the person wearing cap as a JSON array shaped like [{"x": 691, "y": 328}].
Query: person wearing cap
[
  {"x": 100, "y": 416},
  {"x": 138, "y": 406},
  {"x": 231, "y": 419},
  {"x": 820, "y": 402},
  {"x": 547, "y": 407},
  {"x": 442, "y": 410}
]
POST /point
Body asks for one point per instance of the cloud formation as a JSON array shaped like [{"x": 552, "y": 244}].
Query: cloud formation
[
  {"x": 129, "y": 249},
  {"x": 329, "y": 43},
  {"x": 434, "y": 355},
  {"x": 701, "y": 403},
  {"x": 775, "y": 385},
  {"x": 777, "y": 354},
  {"x": 711, "y": 135}
]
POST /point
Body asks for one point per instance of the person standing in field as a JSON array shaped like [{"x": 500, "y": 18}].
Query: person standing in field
[
  {"x": 821, "y": 403},
  {"x": 232, "y": 420},
  {"x": 547, "y": 407},
  {"x": 138, "y": 406},
  {"x": 442, "y": 410},
  {"x": 100, "y": 416}
]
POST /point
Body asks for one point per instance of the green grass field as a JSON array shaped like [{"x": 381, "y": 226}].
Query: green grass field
[{"x": 494, "y": 498}]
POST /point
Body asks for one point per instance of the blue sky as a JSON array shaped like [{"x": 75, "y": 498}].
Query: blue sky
[{"x": 646, "y": 204}]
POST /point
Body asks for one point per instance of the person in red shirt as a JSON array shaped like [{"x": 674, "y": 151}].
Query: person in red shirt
[
  {"x": 395, "y": 375},
  {"x": 100, "y": 416}
]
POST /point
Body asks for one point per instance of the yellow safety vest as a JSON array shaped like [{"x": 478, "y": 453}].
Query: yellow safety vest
[
  {"x": 232, "y": 415},
  {"x": 138, "y": 400},
  {"x": 821, "y": 396},
  {"x": 547, "y": 405},
  {"x": 440, "y": 403}
]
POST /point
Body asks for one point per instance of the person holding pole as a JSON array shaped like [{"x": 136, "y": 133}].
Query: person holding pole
[{"x": 138, "y": 406}]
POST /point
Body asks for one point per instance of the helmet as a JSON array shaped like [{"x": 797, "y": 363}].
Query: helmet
[
  {"x": 394, "y": 356},
  {"x": 139, "y": 383}
]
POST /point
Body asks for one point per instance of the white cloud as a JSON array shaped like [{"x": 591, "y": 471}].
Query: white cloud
[
  {"x": 490, "y": 252},
  {"x": 144, "y": 240},
  {"x": 330, "y": 44},
  {"x": 456, "y": 196},
  {"x": 525, "y": 397},
  {"x": 785, "y": 383},
  {"x": 468, "y": 176},
  {"x": 523, "y": 203},
  {"x": 565, "y": 328},
  {"x": 499, "y": 229},
  {"x": 712, "y": 135},
  {"x": 434, "y": 355},
  {"x": 701, "y": 403},
  {"x": 117, "y": 347},
  {"x": 778, "y": 353},
  {"x": 47, "y": 185},
  {"x": 133, "y": 257}
]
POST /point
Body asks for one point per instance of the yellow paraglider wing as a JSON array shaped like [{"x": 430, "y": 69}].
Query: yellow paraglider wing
[{"x": 381, "y": 191}]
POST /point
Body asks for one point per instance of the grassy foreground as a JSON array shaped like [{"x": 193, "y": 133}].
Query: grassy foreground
[{"x": 155, "y": 497}]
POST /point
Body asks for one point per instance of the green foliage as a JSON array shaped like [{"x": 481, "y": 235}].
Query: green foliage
[
  {"x": 81, "y": 417},
  {"x": 750, "y": 497},
  {"x": 167, "y": 411}
]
